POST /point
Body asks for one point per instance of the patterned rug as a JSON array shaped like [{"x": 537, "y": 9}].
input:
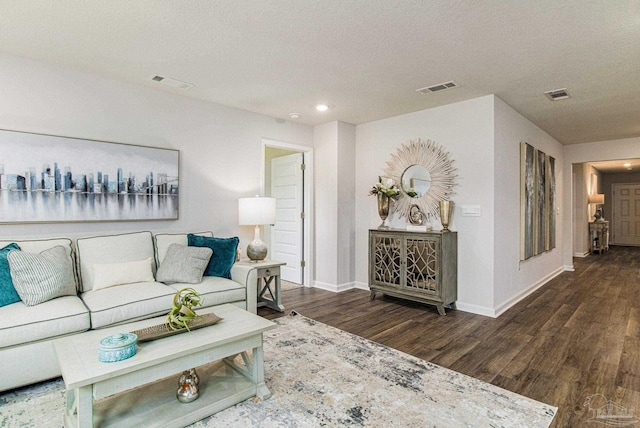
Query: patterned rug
[{"x": 324, "y": 377}]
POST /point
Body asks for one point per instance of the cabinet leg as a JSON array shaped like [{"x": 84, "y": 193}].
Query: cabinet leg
[
  {"x": 441, "y": 309},
  {"x": 373, "y": 295}
]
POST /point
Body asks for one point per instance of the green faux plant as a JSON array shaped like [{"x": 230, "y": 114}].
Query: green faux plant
[{"x": 182, "y": 313}]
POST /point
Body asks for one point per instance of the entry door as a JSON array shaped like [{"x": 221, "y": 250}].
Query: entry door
[
  {"x": 287, "y": 179},
  {"x": 626, "y": 214}
]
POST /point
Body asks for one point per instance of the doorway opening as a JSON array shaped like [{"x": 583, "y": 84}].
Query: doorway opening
[
  {"x": 617, "y": 182},
  {"x": 287, "y": 177}
]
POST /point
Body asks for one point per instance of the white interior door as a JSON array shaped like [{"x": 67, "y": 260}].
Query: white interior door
[
  {"x": 626, "y": 214},
  {"x": 287, "y": 183}
]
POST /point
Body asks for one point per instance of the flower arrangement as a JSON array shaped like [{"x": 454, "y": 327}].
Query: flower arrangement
[{"x": 387, "y": 187}]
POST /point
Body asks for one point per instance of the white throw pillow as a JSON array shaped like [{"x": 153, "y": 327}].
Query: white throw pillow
[{"x": 111, "y": 274}]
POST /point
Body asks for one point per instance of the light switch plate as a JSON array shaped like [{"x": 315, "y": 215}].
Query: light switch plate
[{"x": 470, "y": 210}]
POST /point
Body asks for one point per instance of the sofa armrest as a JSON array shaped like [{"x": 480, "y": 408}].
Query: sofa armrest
[{"x": 247, "y": 276}]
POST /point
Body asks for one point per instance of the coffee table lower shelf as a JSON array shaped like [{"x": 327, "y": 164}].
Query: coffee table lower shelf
[{"x": 155, "y": 405}]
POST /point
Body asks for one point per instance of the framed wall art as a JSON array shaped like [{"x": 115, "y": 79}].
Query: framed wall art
[
  {"x": 527, "y": 201},
  {"x": 537, "y": 202},
  {"x": 48, "y": 179}
]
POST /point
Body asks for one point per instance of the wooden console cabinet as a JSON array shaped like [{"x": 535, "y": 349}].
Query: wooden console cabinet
[{"x": 419, "y": 266}]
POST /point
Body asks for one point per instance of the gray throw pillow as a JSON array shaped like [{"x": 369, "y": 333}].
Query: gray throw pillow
[
  {"x": 183, "y": 264},
  {"x": 41, "y": 277}
]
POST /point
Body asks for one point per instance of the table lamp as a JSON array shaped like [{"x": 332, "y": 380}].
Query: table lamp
[
  {"x": 256, "y": 212},
  {"x": 597, "y": 199}
]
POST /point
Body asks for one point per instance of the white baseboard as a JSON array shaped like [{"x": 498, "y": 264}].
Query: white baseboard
[
  {"x": 475, "y": 309},
  {"x": 333, "y": 287},
  {"x": 362, "y": 286},
  {"x": 569, "y": 268},
  {"x": 462, "y": 306},
  {"x": 524, "y": 293},
  {"x": 581, "y": 254}
]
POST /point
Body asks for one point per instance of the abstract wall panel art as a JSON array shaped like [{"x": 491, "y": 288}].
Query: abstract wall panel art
[{"x": 537, "y": 202}]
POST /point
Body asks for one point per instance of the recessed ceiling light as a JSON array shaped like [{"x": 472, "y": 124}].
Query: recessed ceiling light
[
  {"x": 295, "y": 115},
  {"x": 322, "y": 107},
  {"x": 627, "y": 164}
]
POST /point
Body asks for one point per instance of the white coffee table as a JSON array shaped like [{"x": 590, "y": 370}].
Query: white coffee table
[{"x": 141, "y": 391}]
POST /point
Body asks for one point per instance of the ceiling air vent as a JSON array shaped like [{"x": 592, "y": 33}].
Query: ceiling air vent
[
  {"x": 439, "y": 87},
  {"x": 558, "y": 94},
  {"x": 174, "y": 83}
]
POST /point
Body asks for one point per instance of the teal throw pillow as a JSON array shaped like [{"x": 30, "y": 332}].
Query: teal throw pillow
[
  {"x": 224, "y": 253},
  {"x": 8, "y": 293}
]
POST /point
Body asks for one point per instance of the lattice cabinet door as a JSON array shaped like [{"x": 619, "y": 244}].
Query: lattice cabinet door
[
  {"x": 422, "y": 265},
  {"x": 386, "y": 254}
]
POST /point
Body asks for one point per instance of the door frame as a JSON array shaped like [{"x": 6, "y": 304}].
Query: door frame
[
  {"x": 308, "y": 233},
  {"x": 612, "y": 223}
]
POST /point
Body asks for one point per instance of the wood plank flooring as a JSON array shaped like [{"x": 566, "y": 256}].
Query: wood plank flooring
[{"x": 577, "y": 336}]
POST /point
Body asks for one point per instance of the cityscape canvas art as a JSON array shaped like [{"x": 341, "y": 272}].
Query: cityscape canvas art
[{"x": 48, "y": 179}]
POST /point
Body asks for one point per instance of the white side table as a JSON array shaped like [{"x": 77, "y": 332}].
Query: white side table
[{"x": 268, "y": 282}]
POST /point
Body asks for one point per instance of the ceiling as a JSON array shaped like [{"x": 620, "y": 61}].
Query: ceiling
[
  {"x": 615, "y": 166},
  {"x": 365, "y": 58}
]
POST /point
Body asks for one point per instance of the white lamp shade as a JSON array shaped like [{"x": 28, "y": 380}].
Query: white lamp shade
[
  {"x": 255, "y": 211},
  {"x": 596, "y": 198}
]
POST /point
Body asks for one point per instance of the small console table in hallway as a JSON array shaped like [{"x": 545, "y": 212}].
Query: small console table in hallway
[{"x": 599, "y": 235}]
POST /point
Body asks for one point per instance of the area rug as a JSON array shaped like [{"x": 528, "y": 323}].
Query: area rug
[{"x": 324, "y": 377}]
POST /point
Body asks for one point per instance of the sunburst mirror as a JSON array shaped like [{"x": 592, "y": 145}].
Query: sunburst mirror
[{"x": 426, "y": 175}]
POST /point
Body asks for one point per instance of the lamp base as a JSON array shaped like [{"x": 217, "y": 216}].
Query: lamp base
[{"x": 257, "y": 250}]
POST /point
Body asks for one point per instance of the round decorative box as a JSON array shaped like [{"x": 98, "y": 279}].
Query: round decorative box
[{"x": 117, "y": 347}]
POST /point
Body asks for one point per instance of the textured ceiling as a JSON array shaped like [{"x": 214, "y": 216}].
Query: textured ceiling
[{"x": 366, "y": 58}]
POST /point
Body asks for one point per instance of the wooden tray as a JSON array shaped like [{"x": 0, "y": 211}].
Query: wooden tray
[{"x": 163, "y": 330}]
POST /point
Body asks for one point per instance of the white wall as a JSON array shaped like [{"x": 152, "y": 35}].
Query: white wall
[
  {"x": 346, "y": 204},
  {"x": 334, "y": 205},
  {"x": 514, "y": 279},
  {"x": 220, "y": 147},
  {"x": 483, "y": 136},
  {"x": 465, "y": 129},
  {"x": 325, "y": 144},
  {"x": 589, "y": 152}
]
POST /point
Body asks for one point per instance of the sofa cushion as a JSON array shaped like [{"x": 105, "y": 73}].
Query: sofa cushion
[
  {"x": 215, "y": 290},
  {"x": 41, "y": 277},
  {"x": 164, "y": 240},
  {"x": 111, "y": 274},
  {"x": 112, "y": 249},
  {"x": 183, "y": 264},
  {"x": 58, "y": 317},
  {"x": 8, "y": 293},
  {"x": 224, "y": 253},
  {"x": 128, "y": 302}
]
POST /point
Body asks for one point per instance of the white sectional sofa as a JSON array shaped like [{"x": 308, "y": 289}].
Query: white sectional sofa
[{"x": 27, "y": 332}]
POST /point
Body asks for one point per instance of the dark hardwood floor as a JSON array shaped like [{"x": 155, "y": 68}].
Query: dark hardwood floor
[{"x": 577, "y": 336}]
